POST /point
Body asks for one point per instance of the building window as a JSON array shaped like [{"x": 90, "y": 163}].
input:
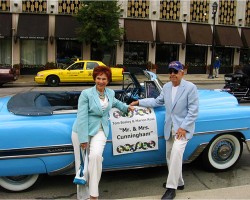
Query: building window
[
  {"x": 68, "y": 52},
  {"x": 105, "y": 54},
  {"x": 165, "y": 53},
  {"x": 170, "y": 10},
  {"x": 199, "y": 11},
  {"x": 69, "y": 7},
  {"x": 196, "y": 59},
  {"x": 138, "y": 8},
  {"x": 245, "y": 56},
  {"x": 5, "y": 52},
  {"x": 34, "y": 6},
  {"x": 227, "y": 12},
  {"x": 226, "y": 56},
  {"x": 135, "y": 54},
  {"x": 4, "y": 5},
  {"x": 247, "y": 20},
  {"x": 33, "y": 53}
]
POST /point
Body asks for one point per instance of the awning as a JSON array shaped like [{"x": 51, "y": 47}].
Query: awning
[
  {"x": 245, "y": 36},
  {"x": 5, "y": 25},
  {"x": 65, "y": 28},
  {"x": 138, "y": 30},
  {"x": 33, "y": 26},
  {"x": 199, "y": 34},
  {"x": 227, "y": 36},
  {"x": 170, "y": 32}
]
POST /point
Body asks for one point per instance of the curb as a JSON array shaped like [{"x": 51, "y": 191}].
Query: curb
[
  {"x": 195, "y": 78},
  {"x": 237, "y": 192}
]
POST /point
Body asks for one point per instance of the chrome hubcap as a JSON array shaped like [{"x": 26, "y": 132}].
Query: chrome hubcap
[{"x": 223, "y": 151}]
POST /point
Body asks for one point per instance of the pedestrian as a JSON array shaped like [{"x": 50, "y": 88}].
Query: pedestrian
[
  {"x": 180, "y": 98},
  {"x": 91, "y": 127},
  {"x": 217, "y": 66}
]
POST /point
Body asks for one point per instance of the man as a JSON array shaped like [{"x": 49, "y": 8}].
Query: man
[
  {"x": 181, "y": 102},
  {"x": 217, "y": 66}
]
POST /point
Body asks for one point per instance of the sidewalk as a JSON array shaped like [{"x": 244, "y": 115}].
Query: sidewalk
[
  {"x": 195, "y": 78},
  {"x": 238, "y": 192}
]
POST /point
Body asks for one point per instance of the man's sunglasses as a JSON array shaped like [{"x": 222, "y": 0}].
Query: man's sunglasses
[{"x": 171, "y": 70}]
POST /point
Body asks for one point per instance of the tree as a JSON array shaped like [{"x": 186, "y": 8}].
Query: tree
[{"x": 99, "y": 23}]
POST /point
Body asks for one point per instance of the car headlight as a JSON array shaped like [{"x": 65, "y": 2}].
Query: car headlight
[
  {"x": 228, "y": 78},
  {"x": 39, "y": 75}
]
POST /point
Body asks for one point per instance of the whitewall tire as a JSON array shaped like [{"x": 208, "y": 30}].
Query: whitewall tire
[
  {"x": 18, "y": 183},
  {"x": 222, "y": 153}
]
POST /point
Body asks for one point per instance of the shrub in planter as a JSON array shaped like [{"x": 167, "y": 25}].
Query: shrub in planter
[
  {"x": 17, "y": 68},
  {"x": 50, "y": 65}
]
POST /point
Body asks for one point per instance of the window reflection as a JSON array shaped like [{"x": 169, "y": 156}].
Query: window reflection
[
  {"x": 135, "y": 54},
  {"x": 165, "y": 53}
]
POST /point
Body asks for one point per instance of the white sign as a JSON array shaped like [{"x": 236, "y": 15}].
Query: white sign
[{"x": 136, "y": 132}]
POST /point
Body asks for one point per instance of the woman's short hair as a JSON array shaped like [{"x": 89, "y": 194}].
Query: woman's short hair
[{"x": 99, "y": 70}]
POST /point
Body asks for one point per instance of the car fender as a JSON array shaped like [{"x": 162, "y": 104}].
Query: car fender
[{"x": 50, "y": 150}]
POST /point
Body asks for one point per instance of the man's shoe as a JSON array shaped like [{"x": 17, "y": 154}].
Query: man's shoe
[
  {"x": 181, "y": 187},
  {"x": 169, "y": 194}
]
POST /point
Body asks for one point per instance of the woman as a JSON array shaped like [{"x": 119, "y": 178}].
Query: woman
[{"x": 91, "y": 127}]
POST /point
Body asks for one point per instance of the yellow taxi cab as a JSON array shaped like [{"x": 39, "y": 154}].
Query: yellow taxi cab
[{"x": 79, "y": 72}]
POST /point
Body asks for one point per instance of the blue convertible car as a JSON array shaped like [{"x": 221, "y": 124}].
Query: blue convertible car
[{"x": 35, "y": 132}]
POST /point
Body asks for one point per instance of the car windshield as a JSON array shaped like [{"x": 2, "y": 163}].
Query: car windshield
[
  {"x": 141, "y": 77},
  {"x": 76, "y": 66}
]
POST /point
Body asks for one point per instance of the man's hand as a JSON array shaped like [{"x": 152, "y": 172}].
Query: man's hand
[
  {"x": 134, "y": 103},
  {"x": 181, "y": 133}
]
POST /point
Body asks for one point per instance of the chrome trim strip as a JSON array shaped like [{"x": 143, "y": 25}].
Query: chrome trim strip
[
  {"x": 31, "y": 152},
  {"x": 134, "y": 167},
  {"x": 222, "y": 131},
  {"x": 197, "y": 152},
  {"x": 69, "y": 169}
]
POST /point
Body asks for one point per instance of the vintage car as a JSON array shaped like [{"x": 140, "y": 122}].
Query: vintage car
[
  {"x": 238, "y": 83},
  {"x": 7, "y": 74},
  {"x": 78, "y": 72},
  {"x": 35, "y": 132}
]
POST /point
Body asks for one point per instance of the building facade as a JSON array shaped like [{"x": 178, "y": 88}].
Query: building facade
[{"x": 34, "y": 33}]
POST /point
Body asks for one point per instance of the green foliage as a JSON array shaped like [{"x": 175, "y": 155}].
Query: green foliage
[
  {"x": 50, "y": 65},
  {"x": 99, "y": 23}
]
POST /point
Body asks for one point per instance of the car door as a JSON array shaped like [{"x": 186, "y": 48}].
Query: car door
[
  {"x": 74, "y": 72},
  {"x": 89, "y": 66}
]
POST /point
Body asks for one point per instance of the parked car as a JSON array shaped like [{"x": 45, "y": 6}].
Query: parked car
[
  {"x": 238, "y": 83},
  {"x": 35, "y": 132},
  {"x": 7, "y": 74},
  {"x": 79, "y": 72}
]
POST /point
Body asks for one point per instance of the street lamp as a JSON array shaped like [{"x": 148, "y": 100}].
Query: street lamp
[{"x": 214, "y": 11}]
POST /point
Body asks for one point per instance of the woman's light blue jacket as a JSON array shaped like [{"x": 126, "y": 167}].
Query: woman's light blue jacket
[{"x": 90, "y": 114}]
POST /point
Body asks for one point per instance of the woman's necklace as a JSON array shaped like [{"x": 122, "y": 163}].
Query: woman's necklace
[{"x": 101, "y": 95}]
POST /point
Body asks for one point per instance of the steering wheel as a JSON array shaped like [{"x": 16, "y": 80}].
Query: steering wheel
[{"x": 128, "y": 93}]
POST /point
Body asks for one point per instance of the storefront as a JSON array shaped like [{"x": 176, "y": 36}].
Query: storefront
[
  {"x": 5, "y": 39},
  {"x": 138, "y": 36},
  {"x": 245, "y": 51},
  {"x": 68, "y": 48},
  {"x": 169, "y": 36},
  {"x": 227, "y": 39},
  {"x": 199, "y": 38},
  {"x": 33, "y": 38}
]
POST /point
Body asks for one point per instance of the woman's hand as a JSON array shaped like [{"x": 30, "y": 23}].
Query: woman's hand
[
  {"x": 131, "y": 108},
  {"x": 134, "y": 103},
  {"x": 84, "y": 145}
]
